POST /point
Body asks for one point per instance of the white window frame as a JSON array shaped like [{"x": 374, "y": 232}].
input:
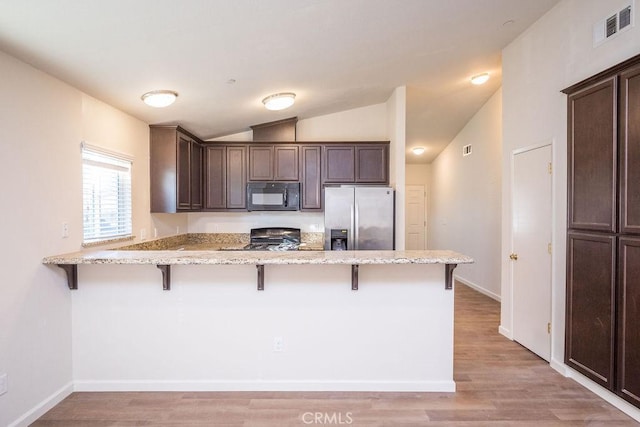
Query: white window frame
[{"x": 107, "y": 205}]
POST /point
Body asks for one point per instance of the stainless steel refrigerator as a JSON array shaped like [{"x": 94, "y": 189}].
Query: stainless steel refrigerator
[{"x": 359, "y": 218}]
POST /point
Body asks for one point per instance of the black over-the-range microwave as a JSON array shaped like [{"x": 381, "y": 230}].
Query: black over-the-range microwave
[{"x": 273, "y": 196}]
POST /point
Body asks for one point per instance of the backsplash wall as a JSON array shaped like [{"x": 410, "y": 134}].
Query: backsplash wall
[{"x": 230, "y": 222}]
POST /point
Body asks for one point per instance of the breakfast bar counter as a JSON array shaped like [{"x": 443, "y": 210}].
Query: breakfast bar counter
[
  {"x": 306, "y": 329},
  {"x": 222, "y": 257},
  {"x": 164, "y": 259}
]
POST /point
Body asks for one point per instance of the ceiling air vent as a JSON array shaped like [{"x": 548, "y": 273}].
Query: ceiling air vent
[
  {"x": 613, "y": 25},
  {"x": 466, "y": 150},
  {"x": 625, "y": 17}
]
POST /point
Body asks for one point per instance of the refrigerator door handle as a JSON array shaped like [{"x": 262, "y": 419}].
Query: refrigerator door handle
[
  {"x": 352, "y": 241},
  {"x": 355, "y": 227}
]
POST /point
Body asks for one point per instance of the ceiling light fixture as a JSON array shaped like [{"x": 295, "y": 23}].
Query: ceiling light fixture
[
  {"x": 480, "y": 79},
  {"x": 159, "y": 98},
  {"x": 418, "y": 151},
  {"x": 279, "y": 101}
]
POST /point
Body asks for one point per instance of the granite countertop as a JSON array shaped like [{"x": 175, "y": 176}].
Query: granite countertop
[
  {"x": 224, "y": 248},
  {"x": 213, "y": 257},
  {"x": 215, "y": 242}
]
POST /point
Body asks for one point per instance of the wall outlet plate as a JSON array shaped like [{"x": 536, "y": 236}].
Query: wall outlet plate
[{"x": 278, "y": 344}]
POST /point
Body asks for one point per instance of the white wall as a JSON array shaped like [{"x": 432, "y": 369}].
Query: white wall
[
  {"x": 42, "y": 122},
  {"x": 359, "y": 124},
  {"x": 554, "y": 53},
  {"x": 418, "y": 174},
  {"x": 396, "y": 125},
  {"x": 464, "y": 206},
  {"x": 214, "y": 331}
]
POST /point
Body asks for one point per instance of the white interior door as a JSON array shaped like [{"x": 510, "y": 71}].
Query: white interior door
[
  {"x": 415, "y": 217},
  {"x": 531, "y": 250}
]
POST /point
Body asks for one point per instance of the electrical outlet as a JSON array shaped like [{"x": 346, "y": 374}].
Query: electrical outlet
[
  {"x": 3, "y": 384},
  {"x": 178, "y": 230},
  {"x": 143, "y": 234},
  {"x": 155, "y": 233},
  {"x": 65, "y": 230},
  {"x": 278, "y": 344}
]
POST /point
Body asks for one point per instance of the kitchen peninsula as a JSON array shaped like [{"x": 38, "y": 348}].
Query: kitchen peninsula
[{"x": 307, "y": 329}]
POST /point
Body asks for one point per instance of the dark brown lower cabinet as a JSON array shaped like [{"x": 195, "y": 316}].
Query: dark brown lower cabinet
[
  {"x": 629, "y": 320},
  {"x": 589, "y": 347}
]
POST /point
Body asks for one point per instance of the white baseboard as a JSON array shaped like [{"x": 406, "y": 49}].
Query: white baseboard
[
  {"x": 559, "y": 367},
  {"x": 477, "y": 288},
  {"x": 41, "y": 408},
  {"x": 600, "y": 391},
  {"x": 395, "y": 386},
  {"x": 505, "y": 332}
]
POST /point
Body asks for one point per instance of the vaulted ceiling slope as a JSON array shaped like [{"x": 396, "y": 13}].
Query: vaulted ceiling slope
[{"x": 334, "y": 54}]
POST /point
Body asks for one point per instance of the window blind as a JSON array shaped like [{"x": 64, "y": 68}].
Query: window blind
[{"x": 106, "y": 195}]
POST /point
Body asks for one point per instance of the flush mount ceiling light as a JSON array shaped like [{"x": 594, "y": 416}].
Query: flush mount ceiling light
[
  {"x": 480, "y": 79},
  {"x": 418, "y": 150},
  {"x": 279, "y": 101},
  {"x": 159, "y": 98}
]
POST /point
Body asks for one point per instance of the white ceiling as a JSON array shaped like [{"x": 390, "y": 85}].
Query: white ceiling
[{"x": 334, "y": 54}]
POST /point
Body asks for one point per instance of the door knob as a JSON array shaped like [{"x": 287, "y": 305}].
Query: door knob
[{"x": 514, "y": 257}]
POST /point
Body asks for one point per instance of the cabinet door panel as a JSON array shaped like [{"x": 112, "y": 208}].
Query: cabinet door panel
[
  {"x": 590, "y": 299},
  {"x": 311, "y": 183},
  {"x": 184, "y": 172},
  {"x": 630, "y": 151},
  {"x": 196, "y": 176},
  {"x": 592, "y": 145},
  {"x": 339, "y": 164},
  {"x": 216, "y": 178},
  {"x": 261, "y": 163},
  {"x": 236, "y": 177},
  {"x": 371, "y": 163},
  {"x": 629, "y": 321},
  {"x": 286, "y": 163}
]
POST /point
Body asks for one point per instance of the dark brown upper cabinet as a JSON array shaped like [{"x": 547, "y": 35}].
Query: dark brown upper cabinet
[
  {"x": 356, "y": 163},
  {"x": 372, "y": 163},
  {"x": 225, "y": 177},
  {"x": 274, "y": 162},
  {"x": 311, "y": 185},
  {"x": 175, "y": 169},
  {"x": 215, "y": 177},
  {"x": 339, "y": 164},
  {"x": 189, "y": 175},
  {"x": 630, "y": 151},
  {"x": 593, "y": 156},
  {"x": 236, "y": 177}
]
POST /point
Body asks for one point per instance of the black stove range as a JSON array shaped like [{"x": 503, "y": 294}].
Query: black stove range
[{"x": 273, "y": 239}]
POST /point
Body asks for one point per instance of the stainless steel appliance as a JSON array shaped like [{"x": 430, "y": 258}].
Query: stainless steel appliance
[
  {"x": 362, "y": 218},
  {"x": 273, "y": 239},
  {"x": 273, "y": 196},
  {"x": 339, "y": 239}
]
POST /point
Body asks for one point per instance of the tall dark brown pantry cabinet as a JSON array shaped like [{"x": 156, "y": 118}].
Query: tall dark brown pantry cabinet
[{"x": 603, "y": 235}]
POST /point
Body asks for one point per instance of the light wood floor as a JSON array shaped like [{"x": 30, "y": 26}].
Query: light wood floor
[{"x": 499, "y": 383}]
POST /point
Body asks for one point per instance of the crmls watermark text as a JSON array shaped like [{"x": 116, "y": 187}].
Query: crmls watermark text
[{"x": 327, "y": 418}]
